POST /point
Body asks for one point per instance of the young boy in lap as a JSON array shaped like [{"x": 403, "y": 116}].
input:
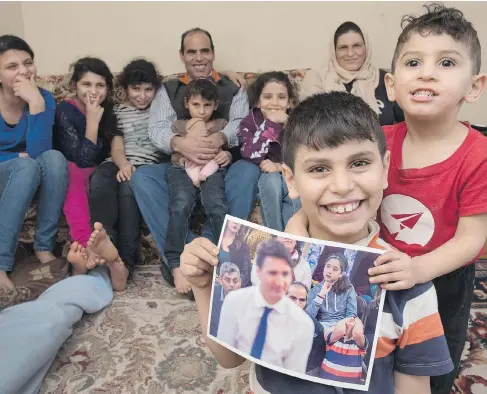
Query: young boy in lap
[
  {"x": 335, "y": 154},
  {"x": 435, "y": 208}
]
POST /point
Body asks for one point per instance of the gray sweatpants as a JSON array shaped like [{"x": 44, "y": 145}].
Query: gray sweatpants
[{"x": 32, "y": 333}]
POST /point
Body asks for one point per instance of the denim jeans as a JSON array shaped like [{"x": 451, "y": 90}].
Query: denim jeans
[
  {"x": 20, "y": 179},
  {"x": 32, "y": 333},
  {"x": 182, "y": 199},
  {"x": 113, "y": 204},
  {"x": 151, "y": 191},
  {"x": 277, "y": 206}
]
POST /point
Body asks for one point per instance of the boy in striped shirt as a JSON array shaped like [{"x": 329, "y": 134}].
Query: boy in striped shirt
[{"x": 336, "y": 162}]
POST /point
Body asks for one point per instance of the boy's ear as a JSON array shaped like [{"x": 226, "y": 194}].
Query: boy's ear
[
  {"x": 386, "y": 162},
  {"x": 390, "y": 87},
  {"x": 476, "y": 89},
  {"x": 288, "y": 175}
]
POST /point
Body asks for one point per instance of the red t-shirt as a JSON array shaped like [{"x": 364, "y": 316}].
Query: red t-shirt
[{"x": 421, "y": 207}]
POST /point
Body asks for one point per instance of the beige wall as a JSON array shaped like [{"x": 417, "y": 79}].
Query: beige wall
[
  {"x": 249, "y": 36},
  {"x": 11, "y": 20}
]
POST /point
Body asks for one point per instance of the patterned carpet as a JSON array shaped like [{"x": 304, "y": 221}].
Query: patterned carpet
[{"x": 148, "y": 341}]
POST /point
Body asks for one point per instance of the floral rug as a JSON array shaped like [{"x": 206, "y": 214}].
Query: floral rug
[{"x": 148, "y": 341}]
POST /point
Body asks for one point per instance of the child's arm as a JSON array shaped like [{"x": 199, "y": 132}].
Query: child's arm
[
  {"x": 404, "y": 272},
  {"x": 197, "y": 263},
  {"x": 40, "y": 120},
  {"x": 117, "y": 152},
  {"x": 337, "y": 333},
  {"x": 298, "y": 224},
  {"x": 407, "y": 384},
  {"x": 358, "y": 333}
]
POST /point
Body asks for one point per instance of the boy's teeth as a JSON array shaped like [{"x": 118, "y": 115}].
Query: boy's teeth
[
  {"x": 342, "y": 208},
  {"x": 424, "y": 93}
]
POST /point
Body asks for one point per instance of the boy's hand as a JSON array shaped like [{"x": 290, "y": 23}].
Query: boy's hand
[
  {"x": 269, "y": 166},
  {"x": 350, "y": 323},
  {"x": 395, "y": 271},
  {"x": 27, "y": 89},
  {"x": 125, "y": 172},
  {"x": 198, "y": 261},
  {"x": 223, "y": 159}
]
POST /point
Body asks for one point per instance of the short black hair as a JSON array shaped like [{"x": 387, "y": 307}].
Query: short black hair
[
  {"x": 196, "y": 30},
  {"x": 95, "y": 66},
  {"x": 300, "y": 284},
  {"x": 329, "y": 120},
  {"x": 203, "y": 87},
  {"x": 439, "y": 20},
  {"x": 346, "y": 27},
  {"x": 139, "y": 71},
  {"x": 272, "y": 248},
  {"x": 8, "y": 42},
  {"x": 256, "y": 88}
]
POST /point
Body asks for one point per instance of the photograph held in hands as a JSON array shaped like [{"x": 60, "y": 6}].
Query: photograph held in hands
[{"x": 296, "y": 305}]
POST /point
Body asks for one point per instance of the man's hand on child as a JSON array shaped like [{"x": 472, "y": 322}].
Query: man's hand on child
[
  {"x": 223, "y": 159},
  {"x": 395, "y": 271},
  {"x": 198, "y": 261},
  {"x": 125, "y": 172},
  {"x": 269, "y": 166}
]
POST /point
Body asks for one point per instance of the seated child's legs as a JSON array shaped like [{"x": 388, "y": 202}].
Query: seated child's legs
[
  {"x": 129, "y": 225},
  {"x": 270, "y": 193},
  {"x": 193, "y": 172},
  {"x": 208, "y": 169},
  {"x": 182, "y": 198},
  {"x": 455, "y": 293},
  {"x": 214, "y": 200},
  {"x": 76, "y": 207}
]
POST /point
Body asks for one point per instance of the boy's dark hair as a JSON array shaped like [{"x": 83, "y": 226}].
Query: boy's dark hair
[
  {"x": 8, "y": 42},
  {"x": 272, "y": 248},
  {"x": 256, "y": 88},
  {"x": 196, "y": 30},
  {"x": 328, "y": 120},
  {"x": 202, "y": 87},
  {"x": 95, "y": 66},
  {"x": 440, "y": 20},
  {"x": 139, "y": 71},
  {"x": 346, "y": 27}
]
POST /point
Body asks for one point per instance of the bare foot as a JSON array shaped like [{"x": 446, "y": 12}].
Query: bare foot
[
  {"x": 5, "y": 282},
  {"x": 118, "y": 274},
  {"x": 180, "y": 282},
  {"x": 78, "y": 259},
  {"x": 100, "y": 248},
  {"x": 45, "y": 257}
]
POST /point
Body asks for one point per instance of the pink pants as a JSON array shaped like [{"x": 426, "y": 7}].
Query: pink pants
[
  {"x": 200, "y": 173},
  {"x": 76, "y": 207}
]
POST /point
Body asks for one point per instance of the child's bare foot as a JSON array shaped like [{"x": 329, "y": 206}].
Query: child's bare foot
[
  {"x": 45, "y": 257},
  {"x": 100, "y": 248},
  {"x": 5, "y": 282},
  {"x": 78, "y": 259},
  {"x": 118, "y": 274},
  {"x": 180, "y": 282}
]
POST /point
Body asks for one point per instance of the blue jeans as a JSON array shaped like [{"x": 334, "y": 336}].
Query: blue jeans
[
  {"x": 151, "y": 191},
  {"x": 276, "y": 205},
  {"x": 32, "y": 333},
  {"x": 183, "y": 195},
  {"x": 20, "y": 179}
]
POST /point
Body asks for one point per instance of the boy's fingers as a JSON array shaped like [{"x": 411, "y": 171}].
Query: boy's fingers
[
  {"x": 399, "y": 285},
  {"x": 386, "y": 257},
  {"x": 385, "y": 278}
]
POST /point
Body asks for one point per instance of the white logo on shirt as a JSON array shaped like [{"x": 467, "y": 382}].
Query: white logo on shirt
[{"x": 407, "y": 219}]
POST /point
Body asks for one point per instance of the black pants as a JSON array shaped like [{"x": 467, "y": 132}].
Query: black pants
[
  {"x": 182, "y": 199},
  {"x": 113, "y": 204},
  {"x": 455, "y": 293}
]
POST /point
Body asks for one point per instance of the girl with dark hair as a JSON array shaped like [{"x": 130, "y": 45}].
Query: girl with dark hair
[
  {"x": 334, "y": 298},
  {"x": 187, "y": 179},
  {"x": 28, "y": 164},
  {"x": 111, "y": 199},
  {"x": 84, "y": 130},
  {"x": 235, "y": 250},
  {"x": 350, "y": 69},
  {"x": 272, "y": 95}
]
